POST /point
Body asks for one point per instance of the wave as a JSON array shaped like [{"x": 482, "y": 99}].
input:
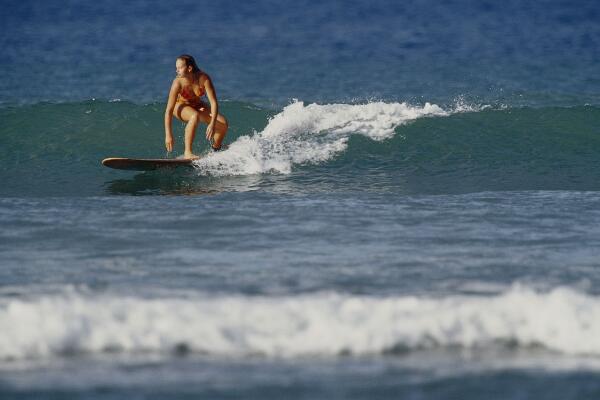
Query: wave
[
  {"x": 419, "y": 148},
  {"x": 423, "y": 149},
  {"x": 561, "y": 320},
  {"x": 311, "y": 134}
]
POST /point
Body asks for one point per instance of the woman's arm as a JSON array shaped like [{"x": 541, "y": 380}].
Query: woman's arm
[
  {"x": 214, "y": 106},
  {"x": 175, "y": 88}
]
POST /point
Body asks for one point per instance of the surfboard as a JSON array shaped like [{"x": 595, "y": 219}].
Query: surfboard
[{"x": 146, "y": 164}]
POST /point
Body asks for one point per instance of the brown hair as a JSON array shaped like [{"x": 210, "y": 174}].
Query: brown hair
[{"x": 189, "y": 62}]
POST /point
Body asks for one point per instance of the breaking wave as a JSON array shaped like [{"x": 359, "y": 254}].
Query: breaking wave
[{"x": 562, "y": 320}]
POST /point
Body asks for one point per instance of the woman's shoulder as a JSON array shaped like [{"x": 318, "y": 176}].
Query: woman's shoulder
[
  {"x": 177, "y": 81},
  {"x": 203, "y": 77}
]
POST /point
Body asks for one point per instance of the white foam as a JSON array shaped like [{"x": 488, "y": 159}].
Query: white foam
[
  {"x": 461, "y": 105},
  {"x": 310, "y": 134},
  {"x": 325, "y": 324}
]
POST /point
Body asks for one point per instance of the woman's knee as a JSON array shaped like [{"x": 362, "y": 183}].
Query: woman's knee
[
  {"x": 224, "y": 123},
  {"x": 194, "y": 117}
]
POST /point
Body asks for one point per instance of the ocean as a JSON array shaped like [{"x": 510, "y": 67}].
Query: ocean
[{"x": 409, "y": 206}]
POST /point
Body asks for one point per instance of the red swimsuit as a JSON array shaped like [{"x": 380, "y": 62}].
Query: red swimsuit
[{"x": 188, "y": 96}]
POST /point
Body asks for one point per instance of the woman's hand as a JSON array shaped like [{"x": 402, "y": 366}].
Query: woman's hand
[
  {"x": 169, "y": 142},
  {"x": 210, "y": 131}
]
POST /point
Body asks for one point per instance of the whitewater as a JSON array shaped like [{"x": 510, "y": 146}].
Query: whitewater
[
  {"x": 311, "y": 134},
  {"x": 561, "y": 320}
]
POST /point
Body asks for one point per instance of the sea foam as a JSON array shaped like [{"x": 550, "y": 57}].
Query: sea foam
[
  {"x": 311, "y": 134},
  {"x": 323, "y": 324}
]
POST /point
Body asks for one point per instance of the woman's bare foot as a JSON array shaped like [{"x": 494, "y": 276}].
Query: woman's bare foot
[{"x": 190, "y": 156}]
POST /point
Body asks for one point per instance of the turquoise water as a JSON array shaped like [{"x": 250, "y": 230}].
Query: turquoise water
[
  {"x": 451, "y": 150},
  {"x": 409, "y": 205}
]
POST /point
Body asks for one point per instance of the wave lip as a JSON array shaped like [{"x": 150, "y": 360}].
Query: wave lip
[
  {"x": 310, "y": 134},
  {"x": 323, "y": 324}
]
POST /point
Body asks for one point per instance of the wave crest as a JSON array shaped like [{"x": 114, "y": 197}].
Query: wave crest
[
  {"x": 325, "y": 324},
  {"x": 311, "y": 134}
]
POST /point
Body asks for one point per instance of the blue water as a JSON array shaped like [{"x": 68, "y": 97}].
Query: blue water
[
  {"x": 409, "y": 206},
  {"x": 270, "y": 52}
]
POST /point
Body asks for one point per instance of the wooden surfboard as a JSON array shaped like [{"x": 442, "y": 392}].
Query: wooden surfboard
[{"x": 146, "y": 164}]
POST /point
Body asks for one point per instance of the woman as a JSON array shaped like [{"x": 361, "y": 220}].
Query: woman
[{"x": 185, "y": 103}]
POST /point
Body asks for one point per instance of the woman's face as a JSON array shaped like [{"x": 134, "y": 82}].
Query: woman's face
[{"x": 181, "y": 68}]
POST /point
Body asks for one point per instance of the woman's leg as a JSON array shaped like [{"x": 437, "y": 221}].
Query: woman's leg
[
  {"x": 221, "y": 124},
  {"x": 191, "y": 116}
]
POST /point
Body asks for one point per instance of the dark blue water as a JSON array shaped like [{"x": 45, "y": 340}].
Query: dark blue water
[
  {"x": 409, "y": 205},
  {"x": 271, "y": 52}
]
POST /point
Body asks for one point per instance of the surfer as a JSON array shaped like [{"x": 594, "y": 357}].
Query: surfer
[{"x": 185, "y": 103}]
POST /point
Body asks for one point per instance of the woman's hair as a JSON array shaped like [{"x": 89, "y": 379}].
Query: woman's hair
[{"x": 189, "y": 62}]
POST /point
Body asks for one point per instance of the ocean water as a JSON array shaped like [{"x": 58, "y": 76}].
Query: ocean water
[{"x": 409, "y": 206}]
